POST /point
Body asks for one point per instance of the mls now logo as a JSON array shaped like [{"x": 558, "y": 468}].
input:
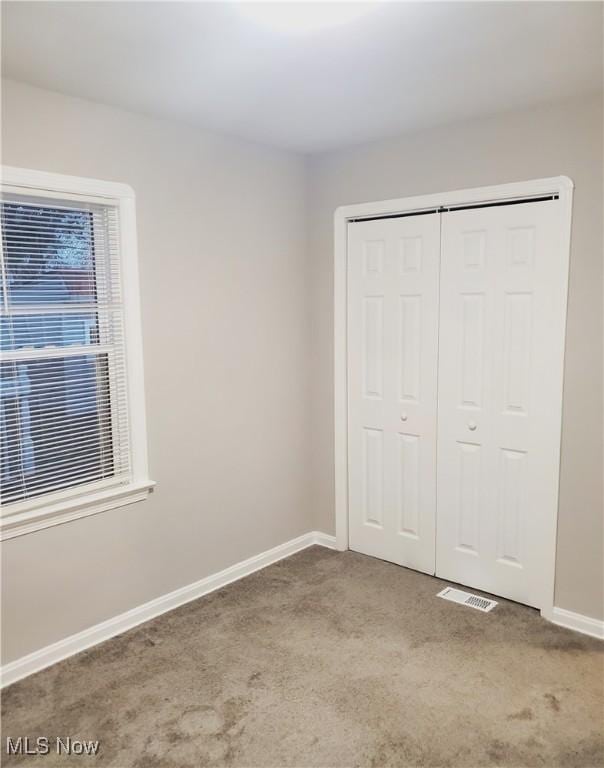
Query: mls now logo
[{"x": 61, "y": 745}]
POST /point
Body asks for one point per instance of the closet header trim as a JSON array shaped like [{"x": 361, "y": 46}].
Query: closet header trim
[{"x": 451, "y": 209}]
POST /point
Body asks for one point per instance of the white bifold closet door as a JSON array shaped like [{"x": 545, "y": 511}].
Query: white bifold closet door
[
  {"x": 455, "y": 354},
  {"x": 501, "y": 348},
  {"x": 392, "y": 372}
]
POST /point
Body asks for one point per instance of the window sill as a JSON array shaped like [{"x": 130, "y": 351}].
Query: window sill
[{"x": 66, "y": 510}]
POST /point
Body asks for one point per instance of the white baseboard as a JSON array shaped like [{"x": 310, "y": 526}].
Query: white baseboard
[
  {"x": 324, "y": 539},
  {"x": 578, "y": 622},
  {"x": 51, "y": 654}
]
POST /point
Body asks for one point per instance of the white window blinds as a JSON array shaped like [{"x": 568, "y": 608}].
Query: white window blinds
[{"x": 63, "y": 408}]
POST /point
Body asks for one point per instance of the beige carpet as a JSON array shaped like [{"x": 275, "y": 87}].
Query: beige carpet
[{"x": 325, "y": 659}]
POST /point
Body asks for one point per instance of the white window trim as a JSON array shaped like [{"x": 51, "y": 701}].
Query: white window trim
[{"x": 71, "y": 504}]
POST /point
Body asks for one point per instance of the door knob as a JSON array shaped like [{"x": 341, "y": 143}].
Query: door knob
[
  {"x": 404, "y": 417},
  {"x": 471, "y": 426}
]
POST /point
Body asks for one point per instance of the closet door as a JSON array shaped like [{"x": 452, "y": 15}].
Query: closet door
[
  {"x": 502, "y": 322},
  {"x": 392, "y": 368}
]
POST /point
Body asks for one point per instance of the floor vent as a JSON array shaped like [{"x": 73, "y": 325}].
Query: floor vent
[{"x": 467, "y": 598}]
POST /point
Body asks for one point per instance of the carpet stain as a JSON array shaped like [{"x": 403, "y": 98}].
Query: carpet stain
[
  {"x": 553, "y": 701},
  {"x": 498, "y": 751},
  {"x": 325, "y": 660},
  {"x": 524, "y": 714}
]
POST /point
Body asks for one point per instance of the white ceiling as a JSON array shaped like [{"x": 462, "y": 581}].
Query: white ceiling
[{"x": 401, "y": 67}]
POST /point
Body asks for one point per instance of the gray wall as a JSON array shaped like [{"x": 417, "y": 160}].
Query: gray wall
[
  {"x": 237, "y": 325},
  {"x": 224, "y": 302},
  {"x": 549, "y": 141}
]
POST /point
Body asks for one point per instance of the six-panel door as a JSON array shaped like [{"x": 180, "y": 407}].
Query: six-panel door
[
  {"x": 393, "y": 268},
  {"x": 490, "y": 353},
  {"x": 502, "y": 315}
]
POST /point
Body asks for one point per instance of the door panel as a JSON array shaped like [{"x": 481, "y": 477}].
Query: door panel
[
  {"x": 392, "y": 368},
  {"x": 502, "y": 297}
]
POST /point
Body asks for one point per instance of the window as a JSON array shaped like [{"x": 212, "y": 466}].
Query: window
[{"x": 72, "y": 434}]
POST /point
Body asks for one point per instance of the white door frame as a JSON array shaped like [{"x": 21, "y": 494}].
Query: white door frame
[{"x": 558, "y": 185}]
